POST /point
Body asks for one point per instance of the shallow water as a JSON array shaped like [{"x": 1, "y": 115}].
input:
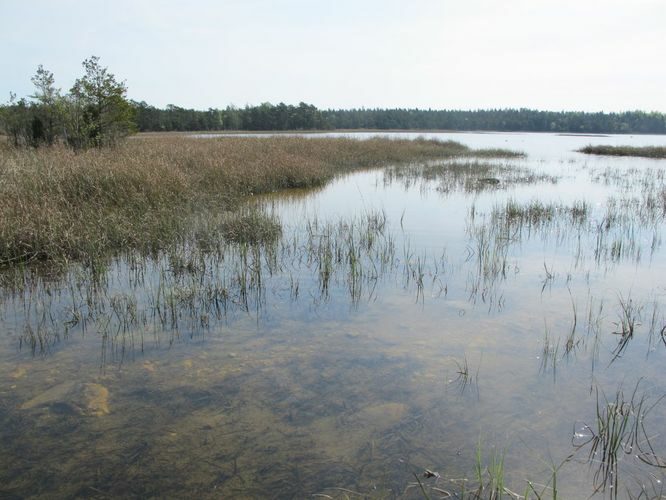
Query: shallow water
[{"x": 261, "y": 372}]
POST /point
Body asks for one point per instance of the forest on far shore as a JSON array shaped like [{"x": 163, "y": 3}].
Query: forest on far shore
[
  {"x": 267, "y": 116},
  {"x": 96, "y": 112}
]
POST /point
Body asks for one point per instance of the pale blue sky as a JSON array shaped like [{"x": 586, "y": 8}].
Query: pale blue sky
[{"x": 589, "y": 55}]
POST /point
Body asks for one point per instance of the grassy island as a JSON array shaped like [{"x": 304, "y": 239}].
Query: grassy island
[{"x": 644, "y": 151}]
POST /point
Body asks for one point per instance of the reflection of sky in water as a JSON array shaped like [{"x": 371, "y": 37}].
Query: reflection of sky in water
[
  {"x": 507, "y": 340},
  {"x": 313, "y": 393}
]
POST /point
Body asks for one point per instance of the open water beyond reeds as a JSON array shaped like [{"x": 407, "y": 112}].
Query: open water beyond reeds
[{"x": 458, "y": 329}]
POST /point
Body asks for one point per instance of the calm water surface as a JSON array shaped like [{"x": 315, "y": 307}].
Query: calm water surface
[{"x": 460, "y": 327}]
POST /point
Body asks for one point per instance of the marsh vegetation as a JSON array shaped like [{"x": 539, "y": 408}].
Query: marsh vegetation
[
  {"x": 61, "y": 204},
  {"x": 277, "y": 317},
  {"x": 644, "y": 151}
]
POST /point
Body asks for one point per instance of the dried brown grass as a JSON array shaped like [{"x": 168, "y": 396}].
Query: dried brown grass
[
  {"x": 57, "y": 204},
  {"x": 643, "y": 151}
]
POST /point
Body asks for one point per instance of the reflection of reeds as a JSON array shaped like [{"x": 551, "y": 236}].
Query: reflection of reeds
[
  {"x": 465, "y": 378},
  {"x": 471, "y": 176},
  {"x": 358, "y": 251},
  {"x": 549, "y": 354},
  {"x": 625, "y": 231},
  {"x": 629, "y": 320},
  {"x": 594, "y": 325},
  {"x": 194, "y": 284},
  {"x": 572, "y": 342},
  {"x": 619, "y": 430},
  {"x": 492, "y": 236}
]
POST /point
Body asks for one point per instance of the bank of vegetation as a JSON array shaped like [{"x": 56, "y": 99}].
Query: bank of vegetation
[
  {"x": 644, "y": 151},
  {"x": 60, "y": 203}
]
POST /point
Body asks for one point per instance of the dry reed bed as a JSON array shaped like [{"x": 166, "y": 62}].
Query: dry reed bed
[
  {"x": 60, "y": 205},
  {"x": 641, "y": 151}
]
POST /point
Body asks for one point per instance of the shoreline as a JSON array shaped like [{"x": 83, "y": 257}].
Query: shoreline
[{"x": 372, "y": 131}]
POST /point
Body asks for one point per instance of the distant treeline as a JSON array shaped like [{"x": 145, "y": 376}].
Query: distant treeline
[{"x": 307, "y": 117}]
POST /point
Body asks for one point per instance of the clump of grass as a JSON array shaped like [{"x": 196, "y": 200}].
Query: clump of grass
[
  {"x": 536, "y": 213},
  {"x": 619, "y": 430},
  {"x": 489, "y": 481},
  {"x": 57, "y": 204},
  {"x": 252, "y": 226},
  {"x": 629, "y": 320},
  {"x": 644, "y": 151},
  {"x": 473, "y": 174},
  {"x": 497, "y": 153},
  {"x": 514, "y": 217},
  {"x": 493, "y": 487},
  {"x": 457, "y": 149},
  {"x": 358, "y": 252}
]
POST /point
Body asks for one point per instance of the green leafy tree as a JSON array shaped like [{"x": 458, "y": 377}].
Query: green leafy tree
[
  {"x": 233, "y": 119},
  {"x": 15, "y": 119},
  {"x": 47, "y": 108},
  {"x": 99, "y": 113}
]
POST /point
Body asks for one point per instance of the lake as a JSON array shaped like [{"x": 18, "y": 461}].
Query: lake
[{"x": 432, "y": 330}]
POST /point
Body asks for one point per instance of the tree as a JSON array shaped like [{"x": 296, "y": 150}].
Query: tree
[
  {"x": 232, "y": 118},
  {"x": 99, "y": 112},
  {"x": 15, "y": 119},
  {"x": 34, "y": 122},
  {"x": 47, "y": 108}
]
